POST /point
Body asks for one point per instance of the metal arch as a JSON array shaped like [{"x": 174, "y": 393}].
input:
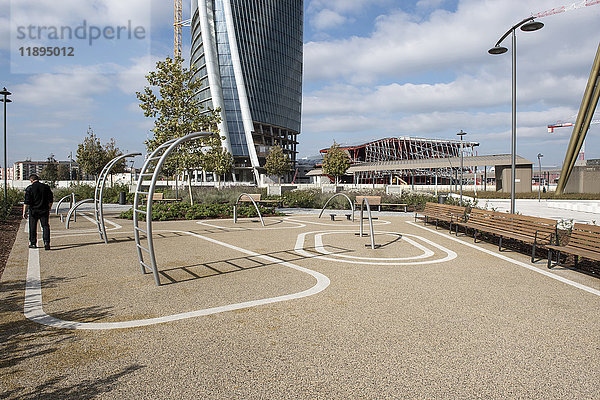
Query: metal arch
[
  {"x": 365, "y": 201},
  {"x": 99, "y": 193},
  {"x": 166, "y": 149},
  {"x": 72, "y": 210},
  {"x": 255, "y": 206},
  {"x": 70, "y": 196},
  {"x": 335, "y": 195}
]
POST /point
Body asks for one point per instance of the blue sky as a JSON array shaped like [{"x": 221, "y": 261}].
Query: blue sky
[{"x": 373, "y": 69}]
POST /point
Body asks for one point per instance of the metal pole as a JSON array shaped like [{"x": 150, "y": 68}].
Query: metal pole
[
  {"x": 461, "y": 167},
  {"x": 514, "y": 123},
  {"x": 5, "y": 161},
  {"x": 539, "y": 156}
]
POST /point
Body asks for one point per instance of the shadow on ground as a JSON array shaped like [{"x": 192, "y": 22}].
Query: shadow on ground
[{"x": 25, "y": 344}]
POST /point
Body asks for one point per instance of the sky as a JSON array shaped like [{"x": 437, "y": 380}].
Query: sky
[{"x": 372, "y": 69}]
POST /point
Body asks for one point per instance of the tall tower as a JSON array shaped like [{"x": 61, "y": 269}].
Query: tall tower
[{"x": 248, "y": 55}]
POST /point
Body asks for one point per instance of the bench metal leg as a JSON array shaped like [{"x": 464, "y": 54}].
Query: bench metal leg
[
  {"x": 533, "y": 253},
  {"x": 332, "y": 217},
  {"x": 500, "y": 244},
  {"x": 549, "y": 258},
  {"x": 475, "y": 236}
]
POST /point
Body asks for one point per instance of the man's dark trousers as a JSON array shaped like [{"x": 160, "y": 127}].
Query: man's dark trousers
[{"x": 34, "y": 217}]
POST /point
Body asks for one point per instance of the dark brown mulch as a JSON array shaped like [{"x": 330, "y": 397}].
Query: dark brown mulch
[{"x": 8, "y": 233}]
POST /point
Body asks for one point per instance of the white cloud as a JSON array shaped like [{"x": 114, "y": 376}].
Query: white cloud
[{"x": 327, "y": 19}]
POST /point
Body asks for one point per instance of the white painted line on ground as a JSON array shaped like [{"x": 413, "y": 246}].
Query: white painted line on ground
[
  {"x": 245, "y": 228},
  {"x": 426, "y": 252},
  {"x": 354, "y": 224},
  {"x": 33, "y": 308},
  {"x": 299, "y": 248},
  {"x": 519, "y": 263}
]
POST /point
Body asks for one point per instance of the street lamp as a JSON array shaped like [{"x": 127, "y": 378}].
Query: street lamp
[
  {"x": 527, "y": 25},
  {"x": 461, "y": 134},
  {"x": 5, "y": 100},
  {"x": 539, "y": 156}
]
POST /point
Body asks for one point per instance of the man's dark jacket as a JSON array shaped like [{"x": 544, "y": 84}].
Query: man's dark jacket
[{"x": 38, "y": 196}]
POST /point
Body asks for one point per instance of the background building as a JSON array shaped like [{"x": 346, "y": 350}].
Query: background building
[
  {"x": 383, "y": 151},
  {"x": 248, "y": 55}
]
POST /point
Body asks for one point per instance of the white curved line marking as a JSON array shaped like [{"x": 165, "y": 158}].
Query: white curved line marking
[
  {"x": 299, "y": 248},
  {"x": 519, "y": 263},
  {"x": 426, "y": 252},
  {"x": 377, "y": 222},
  {"x": 242, "y": 228},
  {"x": 33, "y": 309}
]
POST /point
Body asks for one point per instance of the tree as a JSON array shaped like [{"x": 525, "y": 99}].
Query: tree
[
  {"x": 91, "y": 155},
  {"x": 336, "y": 162},
  {"x": 217, "y": 159},
  {"x": 177, "y": 112},
  {"x": 277, "y": 163},
  {"x": 50, "y": 171},
  {"x": 63, "y": 172},
  {"x": 111, "y": 151}
]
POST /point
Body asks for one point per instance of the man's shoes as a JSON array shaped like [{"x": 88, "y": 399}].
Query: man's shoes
[
  {"x": 32, "y": 246},
  {"x": 46, "y": 246}
]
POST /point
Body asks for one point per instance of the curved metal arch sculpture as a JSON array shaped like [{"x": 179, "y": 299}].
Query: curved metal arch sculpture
[
  {"x": 99, "y": 193},
  {"x": 71, "y": 198},
  {"x": 255, "y": 206},
  {"x": 148, "y": 175},
  {"x": 75, "y": 207},
  {"x": 332, "y": 197},
  {"x": 365, "y": 201}
]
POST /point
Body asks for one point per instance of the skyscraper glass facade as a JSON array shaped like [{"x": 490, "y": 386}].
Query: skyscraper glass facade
[{"x": 248, "y": 55}]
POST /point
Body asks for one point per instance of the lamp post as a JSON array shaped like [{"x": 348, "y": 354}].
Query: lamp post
[
  {"x": 5, "y": 100},
  {"x": 526, "y": 25},
  {"x": 539, "y": 156},
  {"x": 461, "y": 134}
]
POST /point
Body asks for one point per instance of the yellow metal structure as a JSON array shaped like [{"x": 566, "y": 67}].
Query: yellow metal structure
[
  {"x": 177, "y": 23},
  {"x": 584, "y": 118}
]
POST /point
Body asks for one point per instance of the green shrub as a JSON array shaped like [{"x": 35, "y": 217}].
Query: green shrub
[
  {"x": 13, "y": 197},
  {"x": 163, "y": 211}
]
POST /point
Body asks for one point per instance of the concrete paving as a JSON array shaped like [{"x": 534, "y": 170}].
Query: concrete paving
[{"x": 301, "y": 308}]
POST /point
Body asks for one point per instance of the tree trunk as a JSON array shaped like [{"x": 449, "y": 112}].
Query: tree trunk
[{"x": 190, "y": 187}]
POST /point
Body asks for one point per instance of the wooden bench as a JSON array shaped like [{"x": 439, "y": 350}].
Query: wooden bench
[
  {"x": 376, "y": 201},
  {"x": 584, "y": 241},
  {"x": 157, "y": 196},
  {"x": 442, "y": 212},
  {"x": 257, "y": 198},
  {"x": 536, "y": 231}
]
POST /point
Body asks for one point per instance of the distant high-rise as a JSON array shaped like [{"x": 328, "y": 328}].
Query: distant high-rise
[{"x": 248, "y": 55}]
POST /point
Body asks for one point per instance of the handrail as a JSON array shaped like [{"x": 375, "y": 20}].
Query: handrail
[
  {"x": 364, "y": 200},
  {"x": 255, "y": 206},
  {"x": 72, "y": 210},
  {"x": 331, "y": 198}
]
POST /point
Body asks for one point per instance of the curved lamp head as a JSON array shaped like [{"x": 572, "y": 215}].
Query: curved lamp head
[
  {"x": 497, "y": 50},
  {"x": 5, "y": 92},
  {"x": 532, "y": 26}
]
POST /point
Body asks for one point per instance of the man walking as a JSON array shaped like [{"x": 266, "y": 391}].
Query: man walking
[{"x": 39, "y": 198}]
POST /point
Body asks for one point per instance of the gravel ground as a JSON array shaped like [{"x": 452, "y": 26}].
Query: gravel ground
[{"x": 432, "y": 325}]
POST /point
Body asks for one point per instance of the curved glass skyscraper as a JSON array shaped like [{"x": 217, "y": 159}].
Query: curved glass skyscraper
[{"x": 248, "y": 55}]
